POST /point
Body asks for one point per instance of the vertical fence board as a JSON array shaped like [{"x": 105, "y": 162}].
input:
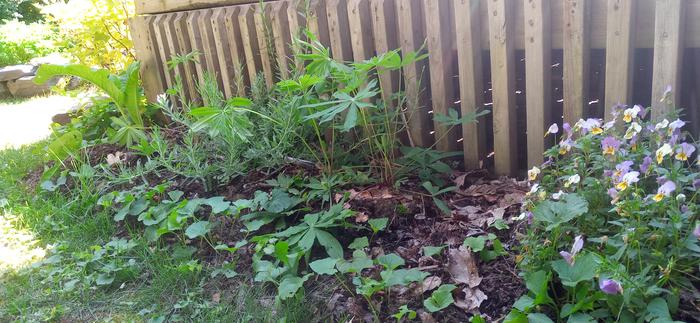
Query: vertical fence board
[
  {"x": 209, "y": 53},
  {"x": 438, "y": 29},
  {"x": 576, "y": 58},
  {"x": 281, "y": 36},
  {"x": 317, "y": 21},
  {"x": 361, "y": 35},
  {"x": 297, "y": 23},
  {"x": 668, "y": 53},
  {"x": 246, "y": 24},
  {"x": 619, "y": 54},
  {"x": 236, "y": 50},
  {"x": 412, "y": 38},
  {"x": 221, "y": 44},
  {"x": 538, "y": 77},
  {"x": 163, "y": 50},
  {"x": 173, "y": 46},
  {"x": 503, "y": 85},
  {"x": 338, "y": 29},
  {"x": 383, "y": 14},
  {"x": 471, "y": 82},
  {"x": 183, "y": 39},
  {"x": 145, "y": 51},
  {"x": 196, "y": 43},
  {"x": 262, "y": 13}
]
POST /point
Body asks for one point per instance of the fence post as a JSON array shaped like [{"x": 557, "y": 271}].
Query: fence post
[
  {"x": 576, "y": 58},
  {"x": 668, "y": 54}
]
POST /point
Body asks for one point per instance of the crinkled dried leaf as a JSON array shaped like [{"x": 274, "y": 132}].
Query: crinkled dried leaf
[
  {"x": 462, "y": 267},
  {"x": 473, "y": 297},
  {"x": 431, "y": 283}
]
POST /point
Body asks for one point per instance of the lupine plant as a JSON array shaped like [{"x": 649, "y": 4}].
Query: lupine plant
[{"x": 612, "y": 220}]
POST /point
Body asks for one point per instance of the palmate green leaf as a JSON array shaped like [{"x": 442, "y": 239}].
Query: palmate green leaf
[
  {"x": 440, "y": 299},
  {"x": 452, "y": 118},
  {"x": 330, "y": 243},
  {"x": 555, "y": 213},
  {"x": 584, "y": 269}
]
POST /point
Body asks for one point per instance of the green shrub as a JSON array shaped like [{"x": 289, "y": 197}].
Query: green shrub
[
  {"x": 613, "y": 218},
  {"x": 20, "y": 42}
]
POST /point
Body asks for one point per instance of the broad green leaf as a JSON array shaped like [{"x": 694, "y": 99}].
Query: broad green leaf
[
  {"x": 104, "y": 279},
  {"x": 476, "y": 244},
  {"x": 537, "y": 283},
  {"x": 581, "y": 318},
  {"x": 403, "y": 276},
  {"x": 330, "y": 243},
  {"x": 524, "y": 303},
  {"x": 555, "y": 213},
  {"x": 584, "y": 269},
  {"x": 391, "y": 261},
  {"x": 65, "y": 145},
  {"x": 538, "y": 318},
  {"x": 359, "y": 262},
  {"x": 359, "y": 243},
  {"x": 432, "y": 251},
  {"x": 324, "y": 266},
  {"x": 198, "y": 229},
  {"x": 290, "y": 285},
  {"x": 515, "y": 316},
  {"x": 378, "y": 224},
  {"x": 217, "y": 204},
  {"x": 440, "y": 299},
  {"x": 239, "y": 102}
]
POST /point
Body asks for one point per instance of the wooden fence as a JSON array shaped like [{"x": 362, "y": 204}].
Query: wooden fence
[{"x": 532, "y": 62}]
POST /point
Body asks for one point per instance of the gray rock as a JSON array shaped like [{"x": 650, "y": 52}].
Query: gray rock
[
  {"x": 9, "y": 73},
  {"x": 55, "y": 59},
  {"x": 25, "y": 87},
  {"x": 4, "y": 91}
]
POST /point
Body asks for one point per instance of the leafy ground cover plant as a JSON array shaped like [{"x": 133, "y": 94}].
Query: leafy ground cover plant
[{"x": 613, "y": 223}]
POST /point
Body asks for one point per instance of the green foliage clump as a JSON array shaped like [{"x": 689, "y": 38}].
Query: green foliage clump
[
  {"x": 20, "y": 42},
  {"x": 22, "y": 10},
  {"x": 614, "y": 223},
  {"x": 94, "y": 32}
]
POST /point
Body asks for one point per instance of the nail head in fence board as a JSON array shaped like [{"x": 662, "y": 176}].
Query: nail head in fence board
[
  {"x": 209, "y": 53},
  {"x": 619, "y": 54},
  {"x": 383, "y": 14},
  {"x": 339, "y": 30},
  {"x": 235, "y": 50},
  {"x": 261, "y": 15},
  {"x": 668, "y": 54},
  {"x": 538, "y": 77},
  {"x": 471, "y": 81},
  {"x": 317, "y": 21},
  {"x": 196, "y": 43},
  {"x": 281, "y": 36},
  {"x": 438, "y": 29},
  {"x": 246, "y": 24},
  {"x": 361, "y": 35},
  {"x": 163, "y": 50},
  {"x": 503, "y": 85},
  {"x": 145, "y": 53},
  {"x": 183, "y": 40},
  {"x": 218, "y": 26},
  {"x": 412, "y": 38},
  {"x": 576, "y": 58}
]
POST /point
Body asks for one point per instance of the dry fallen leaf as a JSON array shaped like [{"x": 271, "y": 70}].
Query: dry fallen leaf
[
  {"x": 114, "y": 159},
  {"x": 473, "y": 297},
  {"x": 462, "y": 267},
  {"x": 496, "y": 214},
  {"x": 216, "y": 298},
  {"x": 361, "y": 217},
  {"x": 431, "y": 283},
  {"x": 425, "y": 317}
]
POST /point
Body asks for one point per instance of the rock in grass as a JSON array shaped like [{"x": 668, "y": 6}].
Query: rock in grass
[
  {"x": 9, "y": 73},
  {"x": 25, "y": 87},
  {"x": 4, "y": 91}
]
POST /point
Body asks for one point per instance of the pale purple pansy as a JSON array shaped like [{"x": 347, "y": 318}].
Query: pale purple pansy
[
  {"x": 664, "y": 190},
  {"x": 646, "y": 163},
  {"x": 612, "y": 192},
  {"x": 684, "y": 151},
  {"x": 575, "y": 248},
  {"x": 610, "y": 287},
  {"x": 610, "y": 145}
]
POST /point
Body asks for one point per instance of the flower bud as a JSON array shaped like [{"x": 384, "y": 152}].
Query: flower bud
[{"x": 680, "y": 198}]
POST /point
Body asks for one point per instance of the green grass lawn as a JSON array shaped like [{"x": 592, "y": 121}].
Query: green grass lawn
[{"x": 47, "y": 238}]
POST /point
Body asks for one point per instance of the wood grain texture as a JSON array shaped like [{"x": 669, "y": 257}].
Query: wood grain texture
[
  {"x": 383, "y": 14},
  {"x": 189, "y": 77},
  {"x": 196, "y": 43},
  {"x": 471, "y": 79},
  {"x": 161, "y": 6},
  {"x": 339, "y": 29},
  {"x": 317, "y": 21},
  {"x": 236, "y": 50},
  {"x": 442, "y": 61},
  {"x": 246, "y": 24},
  {"x": 619, "y": 54},
  {"x": 361, "y": 34},
  {"x": 145, "y": 51},
  {"x": 538, "y": 77},
  {"x": 221, "y": 45},
  {"x": 576, "y": 58},
  {"x": 668, "y": 54},
  {"x": 158, "y": 27},
  {"x": 412, "y": 37},
  {"x": 211, "y": 61},
  {"x": 503, "y": 85},
  {"x": 281, "y": 37},
  {"x": 264, "y": 33}
]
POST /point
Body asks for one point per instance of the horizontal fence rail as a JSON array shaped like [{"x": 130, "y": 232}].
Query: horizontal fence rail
[{"x": 531, "y": 62}]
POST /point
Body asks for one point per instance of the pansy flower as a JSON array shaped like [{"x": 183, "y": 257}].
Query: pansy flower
[
  {"x": 676, "y": 125},
  {"x": 684, "y": 151},
  {"x": 627, "y": 180},
  {"x": 590, "y": 125},
  {"x": 533, "y": 173},
  {"x": 622, "y": 169},
  {"x": 565, "y": 146},
  {"x": 610, "y": 287},
  {"x": 572, "y": 180},
  {"x": 557, "y": 195},
  {"x": 662, "y": 152},
  {"x": 633, "y": 130},
  {"x": 631, "y": 113},
  {"x": 553, "y": 129},
  {"x": 664, "y": 190},
  {"x": 661, "y": 125},
  {"x": 534, "y": 189},
  {"x": 567, "y": 129},
  {"x": 575, "y": 248},
  {"x": 610, "y": 145}
]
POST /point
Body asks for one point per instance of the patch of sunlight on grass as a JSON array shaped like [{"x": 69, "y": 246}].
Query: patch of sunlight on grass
[
  {"x": 18, "y": 248},
  {"x": 26, "y": 121}
]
